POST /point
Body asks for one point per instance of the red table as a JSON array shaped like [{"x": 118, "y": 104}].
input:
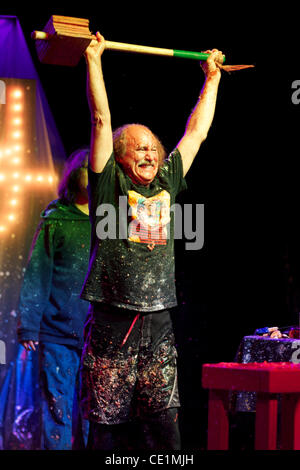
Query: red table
[{"x": 267, "y": 379}]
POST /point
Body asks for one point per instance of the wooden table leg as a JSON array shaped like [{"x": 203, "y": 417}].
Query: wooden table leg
[
  {"x": 218, "y": 423},
  {"x": 266, "y": 421}
]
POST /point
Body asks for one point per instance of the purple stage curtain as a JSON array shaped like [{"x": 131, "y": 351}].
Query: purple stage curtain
[{"x": 16, "y": 62}]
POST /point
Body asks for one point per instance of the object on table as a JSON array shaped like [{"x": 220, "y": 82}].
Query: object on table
[{"x": 272, "y": 332}]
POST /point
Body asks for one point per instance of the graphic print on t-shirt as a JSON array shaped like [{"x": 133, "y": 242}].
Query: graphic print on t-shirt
[{"x": 149, "y": 218}]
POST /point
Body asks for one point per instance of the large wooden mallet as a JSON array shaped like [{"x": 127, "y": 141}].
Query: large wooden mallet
[{"x": 64, "y": 40}]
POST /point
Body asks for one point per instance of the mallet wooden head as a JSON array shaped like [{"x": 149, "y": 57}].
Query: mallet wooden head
[{"x": 63, "y": 40}]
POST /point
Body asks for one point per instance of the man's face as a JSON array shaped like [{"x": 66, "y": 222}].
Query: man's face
[{"x": 140, "y": 161}]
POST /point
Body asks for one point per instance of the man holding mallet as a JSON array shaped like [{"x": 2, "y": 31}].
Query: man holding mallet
[{"x": 129, "y": 372}]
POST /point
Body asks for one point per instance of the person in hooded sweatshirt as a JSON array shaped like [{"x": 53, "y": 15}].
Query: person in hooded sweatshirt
[{"x": 51, "y": 315}]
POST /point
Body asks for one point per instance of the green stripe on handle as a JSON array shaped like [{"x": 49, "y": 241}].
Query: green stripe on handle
[{"x": 192, "y": 55}]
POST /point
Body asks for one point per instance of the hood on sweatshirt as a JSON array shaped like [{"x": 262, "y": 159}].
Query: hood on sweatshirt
[{"x": 60, "y": 210}]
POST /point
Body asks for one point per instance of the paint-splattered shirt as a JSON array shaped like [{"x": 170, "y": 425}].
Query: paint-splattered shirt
[{"x": 132, "y": 245}]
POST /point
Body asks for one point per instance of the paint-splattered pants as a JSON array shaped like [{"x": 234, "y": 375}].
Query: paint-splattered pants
[
  {"x": 61, "y": 420},
  {"x": 120, "y": 381}
]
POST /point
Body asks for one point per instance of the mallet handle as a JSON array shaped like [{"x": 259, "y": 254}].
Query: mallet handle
[
  {"x": 40, "y": 35},
  {"x": 121, "y": 46}
]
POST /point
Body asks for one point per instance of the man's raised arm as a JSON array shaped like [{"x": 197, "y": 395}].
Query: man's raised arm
[
  {"x": 202, "y": 115},
  {"x": 101, "y": 134}
]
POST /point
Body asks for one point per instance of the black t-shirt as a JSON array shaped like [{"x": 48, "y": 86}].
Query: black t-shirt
[{"x": 132, "y": 243}]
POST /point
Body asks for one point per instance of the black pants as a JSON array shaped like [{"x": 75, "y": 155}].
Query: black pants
[{"x": 157, "y": 432}]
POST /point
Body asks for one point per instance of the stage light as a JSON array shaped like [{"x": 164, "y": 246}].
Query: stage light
[
  {"x": 16, "y": 135},
  {"x": 17, "y": 93},
  {"x": 17, "y": 121},
  {"x": 17, "y": 107},
  {"x": 19, "y": 174}
]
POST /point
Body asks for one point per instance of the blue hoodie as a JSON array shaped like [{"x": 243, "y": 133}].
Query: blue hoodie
[{"x": 49, "y": 307}]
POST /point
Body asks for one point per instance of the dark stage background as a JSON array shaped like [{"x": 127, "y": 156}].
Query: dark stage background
[{"x": 246, "y": 274}]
